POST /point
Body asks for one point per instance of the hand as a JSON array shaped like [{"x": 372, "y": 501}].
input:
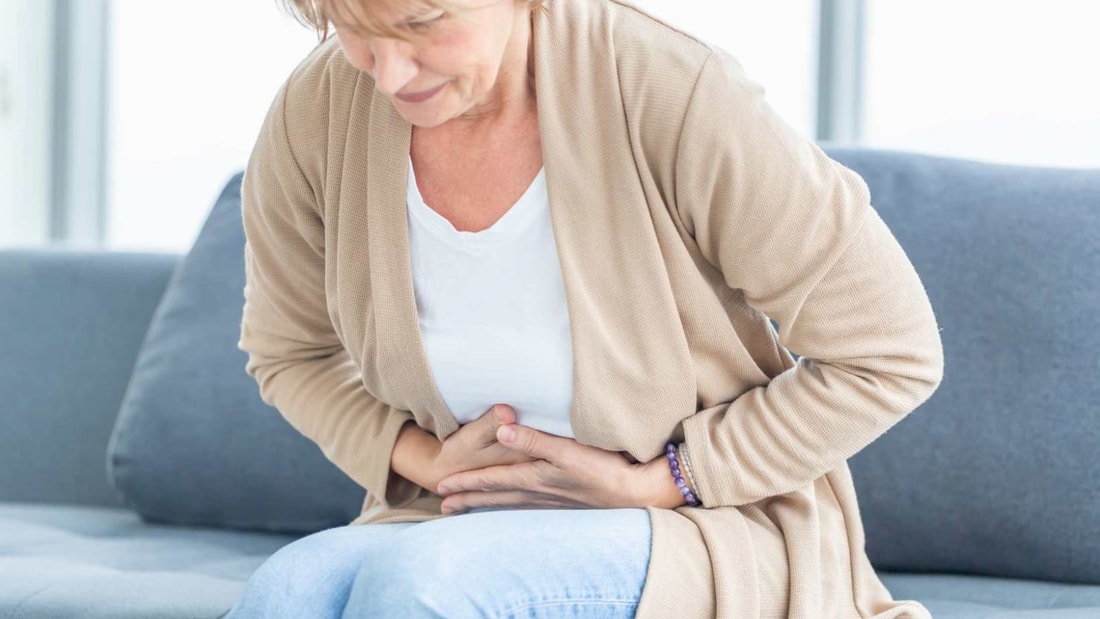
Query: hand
[
  {"x": 564, "y": 474},
  {"x": 475, "y": 446}
]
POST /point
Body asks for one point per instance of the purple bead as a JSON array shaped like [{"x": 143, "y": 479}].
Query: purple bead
[{"x": 681, "y": 484}]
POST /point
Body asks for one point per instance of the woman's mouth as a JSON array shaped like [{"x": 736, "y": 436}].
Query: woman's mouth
[{"x": 417, "y": 97}]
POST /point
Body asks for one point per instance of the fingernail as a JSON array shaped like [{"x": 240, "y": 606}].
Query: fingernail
[{"x": 508, "y": 434}]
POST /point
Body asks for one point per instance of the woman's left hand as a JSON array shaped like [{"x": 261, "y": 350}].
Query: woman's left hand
[{"x": 567, "y": 474}]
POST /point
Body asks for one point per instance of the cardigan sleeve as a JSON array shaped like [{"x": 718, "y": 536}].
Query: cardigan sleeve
[
  {"x": 795, "y": 232},
  {"x": 294, "y": 354}
]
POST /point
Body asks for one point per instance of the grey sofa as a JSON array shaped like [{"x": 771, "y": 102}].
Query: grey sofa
[{"x": 141, "y": 475}]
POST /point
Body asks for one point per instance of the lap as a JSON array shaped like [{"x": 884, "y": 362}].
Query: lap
[
  {"x": 485, "y": 563},
  {"x": 311, "y": 576},
  {"x": 510, "y": 563}
]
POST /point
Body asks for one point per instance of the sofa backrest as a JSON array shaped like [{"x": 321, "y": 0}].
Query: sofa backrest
[
  {"x": 998, "y": 472},
  {"x": 995, "y": 474},
  {"x": 194, "y": 443},
  {"x": 71, "y": 323}
]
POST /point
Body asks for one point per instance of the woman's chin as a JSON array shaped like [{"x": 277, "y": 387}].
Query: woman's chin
[
  {"x": 426, "y": 114},
  {"x": 423, "y": 118}
]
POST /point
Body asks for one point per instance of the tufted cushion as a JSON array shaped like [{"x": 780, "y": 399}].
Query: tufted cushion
[
  {"x": 73, "y": 318},
  {"x": 997, "y": 472},
  {"x": 194, "y": 444},
  {"x": 104, "y": 563},
  {"x": 954, "y": 596}
]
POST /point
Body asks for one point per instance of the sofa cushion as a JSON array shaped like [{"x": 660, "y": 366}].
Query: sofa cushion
[
  {"x": 997, "y": 472},
  {"x": 193, "y": 443},
  {"x": 72, "y": 317},
  {"x": 97, "y": 562},
  {"x": 954, "y": 596},
  {"x": 93, "y": 562}
]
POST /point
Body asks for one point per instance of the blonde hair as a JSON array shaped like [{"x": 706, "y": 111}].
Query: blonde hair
[{"x": 318, "y": 14}]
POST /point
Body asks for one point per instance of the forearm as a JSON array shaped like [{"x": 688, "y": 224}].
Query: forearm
[
  {"x": 870, "y": 355},
  {"x": 414, "y": 455}
]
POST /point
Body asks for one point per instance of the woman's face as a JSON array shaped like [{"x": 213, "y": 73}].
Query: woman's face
[{"x": 451, "y": 62}]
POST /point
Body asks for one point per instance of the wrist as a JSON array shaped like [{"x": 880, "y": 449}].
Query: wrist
[
  {"x": 686, "y": 470},
  {"x": 657, "y": 486},
  {"x": 415, "y": 456}
]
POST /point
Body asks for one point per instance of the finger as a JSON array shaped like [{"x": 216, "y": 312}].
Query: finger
[
  {"x": 501, "y": 477},
  {"x": 488, "y": 424},
  {"x": 532, "y": 442},
  {"x": 496, "y": 416},
  {"x": 512, "y": 499},
  {"x": 504, "y": 455}
]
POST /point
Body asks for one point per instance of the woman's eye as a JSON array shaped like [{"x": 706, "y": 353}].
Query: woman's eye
[{"x": 426, "y": 24}]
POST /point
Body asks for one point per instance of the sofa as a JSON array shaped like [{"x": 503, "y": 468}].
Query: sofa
[{"x": 142, "y": 476}]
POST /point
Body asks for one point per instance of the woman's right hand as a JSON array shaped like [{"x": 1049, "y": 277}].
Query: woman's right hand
[{"x": 475, "y": 446}]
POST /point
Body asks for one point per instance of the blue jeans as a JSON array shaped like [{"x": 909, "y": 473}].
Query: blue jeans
[{"x": 489, "y": 562}]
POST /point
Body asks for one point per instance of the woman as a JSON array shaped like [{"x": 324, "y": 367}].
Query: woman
[{"x": 585, "y": 215}]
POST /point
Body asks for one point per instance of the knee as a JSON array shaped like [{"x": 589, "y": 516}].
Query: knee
[
  {"x": 309, "y": 577},
  {"x": 410, "y": 579}
]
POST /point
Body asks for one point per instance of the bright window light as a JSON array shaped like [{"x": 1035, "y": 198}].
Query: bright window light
[{"x": 1006, "y": 81}]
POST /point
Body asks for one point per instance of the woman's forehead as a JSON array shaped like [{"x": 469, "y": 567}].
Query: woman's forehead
[{"x": 377, "y": 14}]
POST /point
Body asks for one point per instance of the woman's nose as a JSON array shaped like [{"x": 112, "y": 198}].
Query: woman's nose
[{"x": 393, "y": 65}]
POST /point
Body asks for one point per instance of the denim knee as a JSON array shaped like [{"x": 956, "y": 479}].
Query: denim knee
[
  {"x": 311, "y": 576},
  {"x": 418, "y": 580},
  {"x": 537, "y": 563}
]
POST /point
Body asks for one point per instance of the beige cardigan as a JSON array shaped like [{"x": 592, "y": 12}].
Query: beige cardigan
[{"x": 685, "y": 211}]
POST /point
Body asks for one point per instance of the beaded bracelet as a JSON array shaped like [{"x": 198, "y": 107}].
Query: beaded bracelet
[
  {"x": 685, "y": 465},
  {"x": 670, "y": 453}
]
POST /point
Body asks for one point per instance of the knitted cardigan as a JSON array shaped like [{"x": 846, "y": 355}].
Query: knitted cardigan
[{"x": 685, "y": 212}]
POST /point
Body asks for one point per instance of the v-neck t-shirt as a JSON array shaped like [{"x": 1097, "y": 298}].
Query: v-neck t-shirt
[{"x": 492, "y": 311}]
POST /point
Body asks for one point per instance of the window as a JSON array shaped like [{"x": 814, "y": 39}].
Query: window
[
  {"x": 25, "y": 103},
  {"x": 190, "y": 83},
  {"x": 776, "y": 42},
  {"x": 995, "y": 80},
  {"x": 187, "y": 101}
]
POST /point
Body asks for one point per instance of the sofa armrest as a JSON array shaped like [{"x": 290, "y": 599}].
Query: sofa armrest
[{"x": 71, "y": 324}]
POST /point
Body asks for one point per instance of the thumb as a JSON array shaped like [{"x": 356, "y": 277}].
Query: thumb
[
  {"x": 497, "y": 415},
  {"x": 531, "y": 442}
]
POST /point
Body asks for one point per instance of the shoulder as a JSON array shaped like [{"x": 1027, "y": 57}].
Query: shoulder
[
  {"x": 322, "y": 75},
  {"x": 664, "y": 61},
  {"x": 660, "y": 72},
  {"x": 659, "y": 68},
  {"x": 643, "y": 48},
  {"x": 638, "y": 25},
  {"x": 312, "y": 101}
]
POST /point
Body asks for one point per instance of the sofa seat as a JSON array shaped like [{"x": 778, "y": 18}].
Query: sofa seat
[
  {"x": 79, "y": 561},
  {"x": 92, "y": 562},
  {"x": 950, "y": 596}
]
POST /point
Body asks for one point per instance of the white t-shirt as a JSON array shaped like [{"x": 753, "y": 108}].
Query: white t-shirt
[{"x": 492, "y": 312}]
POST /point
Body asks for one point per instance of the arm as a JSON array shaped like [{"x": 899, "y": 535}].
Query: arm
[
  {"x": 415, "y": 456},
  {"x": 294, "y": 354},
  {"x": 795, "y": 232},
  {"x": 657, "y": 487}
]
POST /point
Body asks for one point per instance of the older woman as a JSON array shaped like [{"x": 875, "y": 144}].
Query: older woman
[{"x": 586, "y": 217}]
